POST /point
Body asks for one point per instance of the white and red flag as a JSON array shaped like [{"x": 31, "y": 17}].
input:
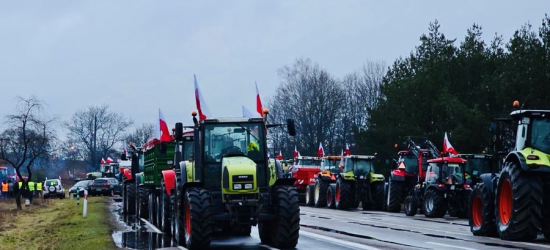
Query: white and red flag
[
  {"x": 201, "y": 105},
  {"x": 103, "y": 161},
  {"x": 109, "y": 160},
  {"x": 163, "y": 127},
  {"x": 321, "y": 151},
  {"x": 447, "y": 147},
  {"x": 280, "y": 156},
  {"x": 259, "y": 107},
  {"x": 342, "y": 159},
  {"x": 295, "y": 152},
  {"x": 347, "y": 152}
]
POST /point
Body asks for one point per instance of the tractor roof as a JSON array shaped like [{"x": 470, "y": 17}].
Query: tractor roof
[
  {"x": 332, "y": 157},
  {"x": 477, "y": 156},
  {"x": 366, "y": 157},
  {"x": 447, "y": 159},
  {"x": 522, "y": 113},
  {"x": 308, "y": 158},
  {"x": 233, "y": 120}
]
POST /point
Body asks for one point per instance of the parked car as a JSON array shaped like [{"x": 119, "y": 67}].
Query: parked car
[
  {"x": 83, "y": 185},
  {"x": 115, "y": 186},
  {"x": 101, "y": 186},
  {"x": 53, "y": 188}
]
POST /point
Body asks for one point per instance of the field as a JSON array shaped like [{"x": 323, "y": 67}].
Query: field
[{"x": 56, "y": 224}]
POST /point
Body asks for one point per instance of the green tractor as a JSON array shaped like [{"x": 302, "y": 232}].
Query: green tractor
[
  {"x": 231, "y": 186},
  {"x": 358, "y": 182},
  {"x": 515, "y": 203}
]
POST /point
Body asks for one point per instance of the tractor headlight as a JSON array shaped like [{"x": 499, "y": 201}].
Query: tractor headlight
[
  {"x": 237, "y": 186},
  {"x": 248, "y": 186}
]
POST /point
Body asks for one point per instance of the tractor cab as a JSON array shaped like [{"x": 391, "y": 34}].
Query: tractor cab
[
  {"x": 331, "y": 164},
  {"x": 476, "y": 165},
  {"x": 533, "y": 135},
  {"x": 360, "y": 167},
  {"x": 446, "y": 172}
]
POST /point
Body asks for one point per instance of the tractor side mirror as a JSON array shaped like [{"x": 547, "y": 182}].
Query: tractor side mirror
[
  {"x": 291, "y": 127},
  {"x": 179, "y": 131}
]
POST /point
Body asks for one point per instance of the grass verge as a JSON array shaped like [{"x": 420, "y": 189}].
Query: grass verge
[{"x": 56, "y": 224}]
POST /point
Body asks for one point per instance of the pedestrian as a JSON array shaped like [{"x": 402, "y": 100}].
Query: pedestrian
[
  {"x": 4, "y": 190},
  {"x": 31, "y": 190},
  {"x": 38, "y": 189}
]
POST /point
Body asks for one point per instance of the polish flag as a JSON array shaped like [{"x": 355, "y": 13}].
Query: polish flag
[
  {"x": 259, "y": 107},
  {"x": 163, "y": 127},
  {"x": 347, "y": 152},
  {"x": 295, "y": 152},
  {"x": 103, "y": 161},
  {"x": 201, "y": 105},
  {"x": 447, "y": 147},
  {"x": 321, "y": 151},
  {"x": 109, "y": 160},
  {"x": 342, "y": 159},
  {"x": 280, "y": 156}
]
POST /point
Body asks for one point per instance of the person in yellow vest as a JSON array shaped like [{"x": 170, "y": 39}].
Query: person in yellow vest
[
  {"x": 4, "y": 190},
  {"x": 31, "y": 190},
  {"x": 38, "y": 189}
]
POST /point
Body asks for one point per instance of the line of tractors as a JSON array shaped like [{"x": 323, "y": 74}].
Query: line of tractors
[
  {"x": 504, "y": 194},
  {"x": 214, "y": 179}
]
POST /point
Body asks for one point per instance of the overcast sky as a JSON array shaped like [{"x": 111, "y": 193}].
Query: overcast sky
[{"x": 139, "y": 56}]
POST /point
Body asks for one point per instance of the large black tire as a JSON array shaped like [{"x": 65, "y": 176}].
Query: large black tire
[
  {"x": 482, "y": 211},
  {"x": 377, "y": 190},
  {"x": 435, "y": 205},
  {"x": 410, "y": 205},
  {"x": 309, "y": 195},
  {"x": 463, "y": 208},
  {"x": 198, "y": 225},
  {"x": 343, "y": 195},
  {"x": 143, "y": 200},
  {"x": 321, "y": 187},
  {"x": 179, "y": 217},
  {"x": 131, "y": 199},
  {"x": 283, "y": 232},
  {"x": 166, "y": 211},
  {"x": 152, "y": 207},
  {"x": 395, "y": 196},
  {"x": 385, "y": 200},
  {"x": 518, "y": 204},
  {"x": 331, "y": 203}
]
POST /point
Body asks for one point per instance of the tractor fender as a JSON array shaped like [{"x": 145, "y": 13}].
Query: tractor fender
[
  {"x": 127, "y": 174},
  {"x": 398, "y": 176},
  {"x": 487, "y": 180},
  {"x": 284, "y": 182},
  {"x": 518, "y": 158},
  {"x": 169, "y": 177}
]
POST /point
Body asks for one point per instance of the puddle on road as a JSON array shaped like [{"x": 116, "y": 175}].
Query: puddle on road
[
  {"x": 353, "y": 235},
  {"x": 142, "y": 240}
]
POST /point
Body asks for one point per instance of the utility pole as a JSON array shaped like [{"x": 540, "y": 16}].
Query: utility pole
[{"x": 94, "y": 138}]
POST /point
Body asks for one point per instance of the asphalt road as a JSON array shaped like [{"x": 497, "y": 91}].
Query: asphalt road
[{"x": 323, "y": 228}]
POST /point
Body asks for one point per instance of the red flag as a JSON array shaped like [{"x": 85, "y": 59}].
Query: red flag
[
  {"x": 259, "y": 107},
  {"x": 342, "y": 159},
  {"x": 295, "y": 152},
  {"x": 347, "y": 152},
  {"x": 201, "y": 106},
  {"x": 103, "y": 161},
  {"x": 280, "y": 156},
  {"x": 164, "y": 132},
  {"x": 321, "y": 151},
  {"x": 109, "y": 160},
  {"x": 447, "y": 147}
]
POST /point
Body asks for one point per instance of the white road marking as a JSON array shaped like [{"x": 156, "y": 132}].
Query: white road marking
[
  {"x": 268, "y": 247},
  {"x": 151, "y": 226},
  {"x": 337, "y": 241},
  {"x": 451, "y": 246}
]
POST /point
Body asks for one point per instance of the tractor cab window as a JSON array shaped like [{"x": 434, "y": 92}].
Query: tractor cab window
[
  {"x": 309, "y": 163},
  {"x": 432, "y": 174},
  {"x": 233, "y": 139},
  {"x": 478, "y": 166},
  {"x": 187, "y": 148},
  {"x": 454, "y": 174},
  {"x": 329, "y": 164},
  {"x": 411, "y": 163},
  {"x": 361, "y": 166},
  {"x": 540, "y": 134}
]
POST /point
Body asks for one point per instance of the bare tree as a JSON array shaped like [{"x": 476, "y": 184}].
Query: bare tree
[
  {"x": 141, "y": 134},
  {"x": 29, "y": 137},
  {"x": 97, "y": 131}
]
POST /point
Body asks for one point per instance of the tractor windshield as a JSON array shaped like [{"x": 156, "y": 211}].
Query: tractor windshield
[
  {"x": 329, "y": 164},
  {"x": 540, "y": 134},
  {"x": 361, "y": 166},
  {"x": 454, "y": 174},
  {"x": 411, "y": 163},
  {"x": 231, "y": 139},
  {"x": 309, "y": 163},
  {"x": 432, "y": 174},
  {"x": 478, "y": 166},
  {"x": 187, "y": 149}
]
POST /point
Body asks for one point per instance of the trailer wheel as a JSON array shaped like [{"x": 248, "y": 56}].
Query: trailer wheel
[
  {"x": 435, "y": 205},
  {"x": 143, "y": 197},
  {"x": 198, "y": 219},
  {"x": 411, "y": 205},
  {"x": 166, "y": 211},
  {"x": 482, "y": 211},
  {"x": 518, "y": 204},
  {"x": 131, "y": 198},
  {"x": 343, "y": 194},
  {"x": 330, "y": 197},
  {"x": 283, "y": 232},
  {"x": 321, "y": 187},
  {"x": 395, "y": 196},
  {"x": 309, "y": 195}
]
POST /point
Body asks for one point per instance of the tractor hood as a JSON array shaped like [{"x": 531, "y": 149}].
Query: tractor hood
[{"x": 239, "y": 175}]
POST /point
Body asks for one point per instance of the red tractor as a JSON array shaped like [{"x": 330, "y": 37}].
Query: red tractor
[
  {"x": 305, "y": 172},
  {"x": 411, "y": 170}
]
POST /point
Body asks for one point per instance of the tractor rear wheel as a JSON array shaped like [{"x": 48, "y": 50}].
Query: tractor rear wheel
[
  {"x": 343, "y": 195},
  {"x": 143, "y": 197},
  {"x": 197, "y": 219},
  {"x": 283, "y": 232},
  {"x": 309, "y": 195},
  {"x": 482, "y": 211},
  {"x": 331, "y": 203},
  {"x": 435, "y": 205},
  {"x": 385, "y": 198},
  {"x": 411, "y": 205},
  {"x": 395, "y": 196},
  {"x": 321, "y": 187},
  {"x": 166, "y": 212},
  {"x": 377, "y": 191},
  {"x": 518, "y": 203},
  {"x": 131, "y": 198}
]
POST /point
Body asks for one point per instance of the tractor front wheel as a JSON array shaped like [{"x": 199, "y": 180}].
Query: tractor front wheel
[
  {"x": 131, "y": 198},
  {"x": 309, "y": 195},
  {"x": 435, "y": 205},
  {"x": 143, "y": 198},
  {"x": 482, "y": 211},
  {"x": 343, "y": 194},
  {"x": 378, "y": 196},
  {"x": 197, "y": 219},
  {"x": 331, "y": 203},
  {"x": 283, "y": 232},
  {"x": 518, "y": 204},
  {"x": 166, "y": 211},
  {"x": 411, "y": 205}
]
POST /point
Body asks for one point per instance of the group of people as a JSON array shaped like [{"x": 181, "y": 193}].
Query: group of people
[{"x": 9, "y": 189}]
